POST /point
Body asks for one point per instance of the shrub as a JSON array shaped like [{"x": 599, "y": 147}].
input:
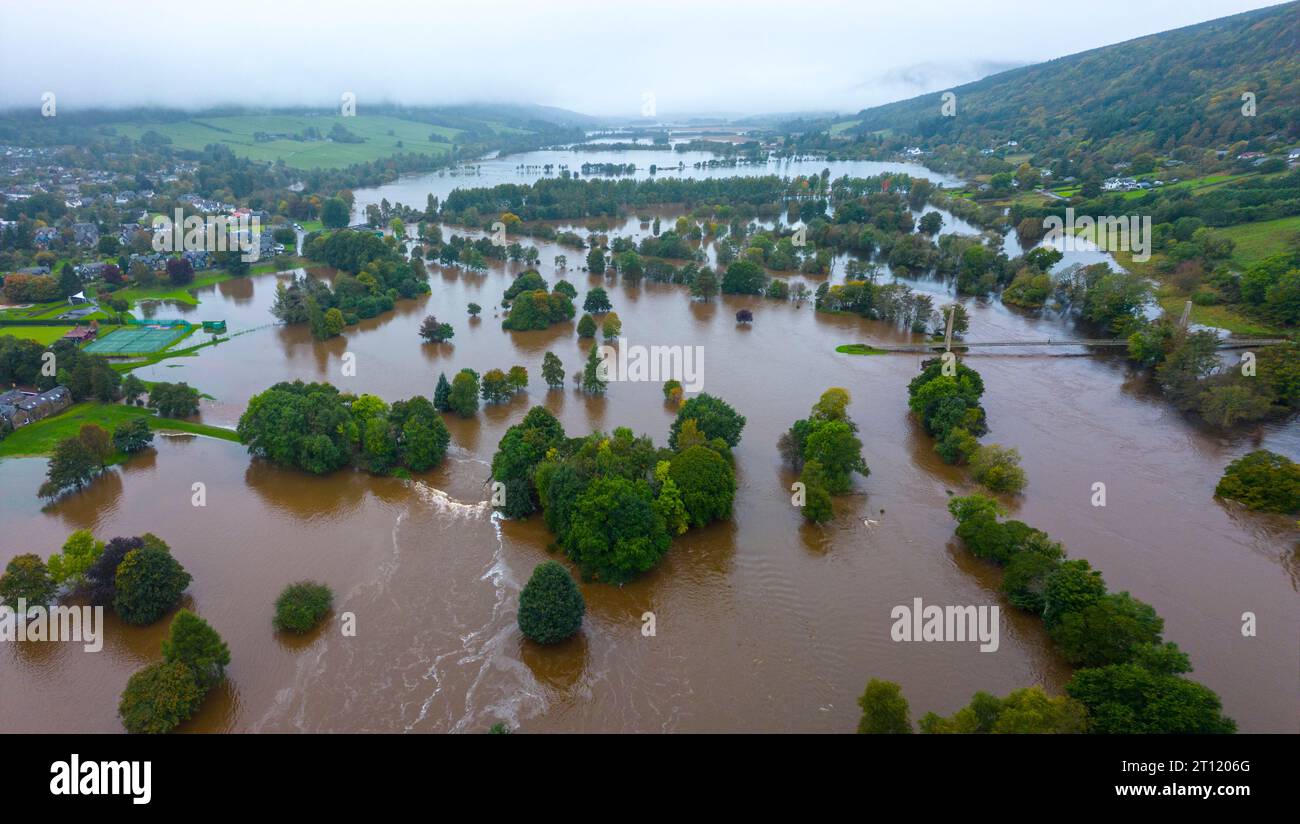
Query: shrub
[
  {"x": 159, "y": 697},
  {"x": 302, "y": 606},
  {"x": 550, "y": 606}
]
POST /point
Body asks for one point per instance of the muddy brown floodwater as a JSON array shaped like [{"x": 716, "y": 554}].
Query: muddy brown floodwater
[{"x": 764, "y": 623}]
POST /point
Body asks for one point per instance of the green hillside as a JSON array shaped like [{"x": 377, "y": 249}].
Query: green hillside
[
  {"x": 381, "y": 136},
  {"x": 1177, "y": 88}
]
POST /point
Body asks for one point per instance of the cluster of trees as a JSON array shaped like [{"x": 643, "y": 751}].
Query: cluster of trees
[
  {"x": 566, "y": 197},
  {"x": 1025, "y": 711},
  {"x": 1032, "y": 284},
  {"x": 316, "y": 428},
  {"x": 135, "y": 577},
  {"x": 497, "y": 386},
  {"x": 1268, "y": 289},
  {"x": 892, "y": 302},
  {"x": 533, "y": 307},
  {"x": 1194, "y": 378},
  {"x": 374, "y": 274},
  {"x": 824, "y": 448},
  {"x": 615, "y": 502},
  {"x": 1130, "y": 679},
  {"x": 76, "y": 460},
  {"x": 87, "y": 376},
  {"x": 434, "y": 332},
  {"x": 460, "y": 395},
  {"x": 163, "y": 695},
  {"x": 945, "y": 399},
  {"x": 1263, "y": 481}
]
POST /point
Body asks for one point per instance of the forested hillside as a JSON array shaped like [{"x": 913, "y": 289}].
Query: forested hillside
[{"x": 1180, "y": 88}]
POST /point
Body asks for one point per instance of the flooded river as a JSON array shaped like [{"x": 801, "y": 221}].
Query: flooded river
[{"x": 762, "y": 624}]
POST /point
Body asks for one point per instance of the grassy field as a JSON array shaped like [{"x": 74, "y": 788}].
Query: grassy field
[
  {"x": 859, "y": 349},
  {"x": 185, "y": 294},
  {"x": 1255, "y": 241},
  {"x": 384, "y": 136},
  {"x": 41, "y": 437},
  {"x": 843, "y": 126}
]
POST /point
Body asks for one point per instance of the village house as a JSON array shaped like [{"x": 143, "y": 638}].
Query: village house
[
  {"x": 85, "y": 234},
  {"x": 18, "y": 408},
  {"x": 81, "y": 334}
]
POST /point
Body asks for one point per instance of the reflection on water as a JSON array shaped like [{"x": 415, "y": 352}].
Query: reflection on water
[{"x": 765, "y": 623}]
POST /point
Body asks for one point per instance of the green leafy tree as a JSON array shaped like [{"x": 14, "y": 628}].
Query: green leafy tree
[
  {"x": 26, "y": 577},
  {"x": 612, "y": 326},
  {"x": 837, "y": 449},
  {"x": 744, "y": 277},
  {"x": 586, "y": 327},
  {"x": 193, "y": 642},
  {"x": 1024, "y": 711},
  {"x": 132, "y": 436},
  {"x": 705, "y": 286},
  {"x": 550, "y": 606},
  {"x": 615, "y": 533},
  {"x": 593, "y": 381},
  {"x": 668, "y": 503},
  {"x": 80, "y": 552},
  {"x": 597, "y": 302},
  {"x": 1125, "y": 699},
  {"x": 72, "y": 465},
  {"x": 133, "y": 388},
  {"x": 442, "y": 394},
  {"x": 149, "y": 582},
  {"x": 1263, "y": 481},
  {"x": 998, "y": 468},
  {"x": 817, "y": 506},
  {"x": 714, "y": 417},
  {"x": 334, "y": 213},
  {"x": 1074, "y": 586},
  {"x": 174, "y": 400},
  {"x": 98, "y": 442},
  {"x": 334, "y": 323},
  {"x": 496, "y": 387},
  {"x": 1108, "y": 631},
  {"x": 884, "y": 709},
  {"x": 553, "y": 371},
  {"x": 706, "y": 482},
  {"x": 158, "y": 698},
  {"x": 463, "y": 398},
  {"x": 596, "y": 260}
]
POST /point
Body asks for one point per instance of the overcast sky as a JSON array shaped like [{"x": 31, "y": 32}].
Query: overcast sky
[{"x": 595, "y": 57}]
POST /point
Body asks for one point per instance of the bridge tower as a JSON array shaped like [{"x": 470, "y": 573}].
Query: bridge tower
[{"x": 947, "y": 335}]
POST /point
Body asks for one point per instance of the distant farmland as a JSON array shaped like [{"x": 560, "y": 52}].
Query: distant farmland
[{"x": 384, "y": 136}]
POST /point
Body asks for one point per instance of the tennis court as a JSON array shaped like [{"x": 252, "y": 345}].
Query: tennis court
[{"x": 137, "y": 340}]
